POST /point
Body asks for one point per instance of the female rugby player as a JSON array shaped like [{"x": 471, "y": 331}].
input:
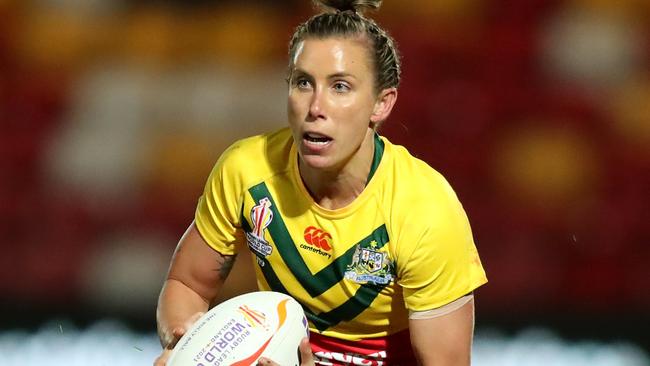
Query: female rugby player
[{"x": 371, "y": 241}]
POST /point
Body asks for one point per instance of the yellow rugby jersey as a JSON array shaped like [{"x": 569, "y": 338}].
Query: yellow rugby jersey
[{"x": 403, "y": 243}]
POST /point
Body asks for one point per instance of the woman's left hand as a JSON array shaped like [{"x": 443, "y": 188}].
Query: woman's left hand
[{"x": 306, "y": 357}]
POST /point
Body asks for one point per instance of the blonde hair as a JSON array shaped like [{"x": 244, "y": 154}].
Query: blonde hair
[{"x": 345, "y": 18}]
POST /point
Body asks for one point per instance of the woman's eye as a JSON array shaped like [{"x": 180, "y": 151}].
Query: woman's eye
[
  {"x": 302, "y": 83},
  {"x": 341, "y": 87}
]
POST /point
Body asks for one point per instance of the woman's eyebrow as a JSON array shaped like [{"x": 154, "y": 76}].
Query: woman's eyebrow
[
  {"x": 301, "y": 72},
  {"x": 341, "y": 75}
]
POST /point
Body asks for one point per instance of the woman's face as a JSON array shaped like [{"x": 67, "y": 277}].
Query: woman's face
[{"x": 331, "y": 100}]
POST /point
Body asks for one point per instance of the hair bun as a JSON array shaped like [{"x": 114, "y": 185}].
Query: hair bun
[{"x": 357, "y": 6}]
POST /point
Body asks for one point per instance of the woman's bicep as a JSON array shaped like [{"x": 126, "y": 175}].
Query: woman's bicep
[
  {"x": 199, "y": 266},
  {"x": 445, "y": 340}
]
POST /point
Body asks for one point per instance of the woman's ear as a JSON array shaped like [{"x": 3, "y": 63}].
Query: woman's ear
[{"x": 383, "y": 105}]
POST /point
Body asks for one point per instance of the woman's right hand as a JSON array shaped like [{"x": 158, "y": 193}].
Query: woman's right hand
[
  {"x": 169, "y": 337},
  {"x": 306, "y": 356}
]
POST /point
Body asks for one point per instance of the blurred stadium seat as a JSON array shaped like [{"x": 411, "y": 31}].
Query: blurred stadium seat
[{"x": 112, "y": 113}]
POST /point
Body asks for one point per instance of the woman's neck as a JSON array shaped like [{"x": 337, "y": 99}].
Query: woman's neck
[{"x": 337, "y": 188}]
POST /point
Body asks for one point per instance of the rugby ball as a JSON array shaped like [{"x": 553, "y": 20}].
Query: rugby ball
[{"x": 241, "y": 330}]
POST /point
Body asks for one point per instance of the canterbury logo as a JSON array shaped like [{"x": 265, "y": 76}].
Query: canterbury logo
[{"x": 318, "y": 238}]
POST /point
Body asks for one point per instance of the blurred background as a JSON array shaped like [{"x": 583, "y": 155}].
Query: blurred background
[{"x": 112, "y": 113}]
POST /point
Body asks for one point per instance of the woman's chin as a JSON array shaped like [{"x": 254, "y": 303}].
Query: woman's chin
[{"x": 316, "y": 162}]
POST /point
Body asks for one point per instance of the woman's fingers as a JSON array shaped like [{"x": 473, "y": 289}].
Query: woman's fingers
[
  {"x": 162, "y": 359},
  {"x": 306, "y": 357},
  {"x": 171, "y": 338}
]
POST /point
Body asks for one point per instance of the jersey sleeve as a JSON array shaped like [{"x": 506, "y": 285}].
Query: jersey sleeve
[
  {"x": 443, "y": 264},
  {"x": 218, "y": 213}
]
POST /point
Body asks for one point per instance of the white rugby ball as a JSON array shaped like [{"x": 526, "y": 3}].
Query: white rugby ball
[{"x": 241, "y": 330}]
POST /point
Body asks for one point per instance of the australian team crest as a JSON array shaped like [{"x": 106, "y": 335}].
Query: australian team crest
[
  {"x": 370, "y": 265},
  {"x": 261, "y": 217}
]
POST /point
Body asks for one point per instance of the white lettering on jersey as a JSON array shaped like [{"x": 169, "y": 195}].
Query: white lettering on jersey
[{"x": 373, "y": 359}]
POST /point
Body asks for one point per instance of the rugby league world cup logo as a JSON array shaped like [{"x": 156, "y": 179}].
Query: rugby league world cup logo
[{"x": 261, "y": 217}]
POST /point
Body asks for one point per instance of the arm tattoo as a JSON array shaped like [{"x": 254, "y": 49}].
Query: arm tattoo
[{"x": 224, "y": 265}]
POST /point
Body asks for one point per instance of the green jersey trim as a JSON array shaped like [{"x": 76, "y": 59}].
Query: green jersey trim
[
  {"x": 323, "y": 280},
  {"x": 376, "y": 156},
  {"x": 315, "y": 284}
]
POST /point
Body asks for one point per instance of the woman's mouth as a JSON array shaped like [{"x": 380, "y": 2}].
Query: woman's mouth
[{"x": 316, "y": 139}]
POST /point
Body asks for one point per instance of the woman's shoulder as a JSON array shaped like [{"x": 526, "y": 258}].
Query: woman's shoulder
[
  {"x": 413, "y": 176},
  {"x": 420, "y": 196},
  {"x": 416, "y": 189}
]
